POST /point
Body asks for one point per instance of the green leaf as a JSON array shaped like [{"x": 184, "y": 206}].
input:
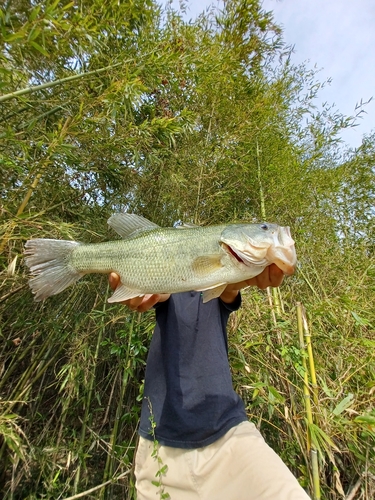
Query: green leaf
[
  {"x": 365, "y": 419},
  {"x": 343, "y": 405},
  {"x": 276, "y": 394},
  {"x": 16, "y": 36},
  {"x": 8, "y": 416},
  {"x": 359, "y": 320},
  {"x": 321, "y": 440},
  {"x": 39, "y": 48},
  {"x": 34, "y": 13}
]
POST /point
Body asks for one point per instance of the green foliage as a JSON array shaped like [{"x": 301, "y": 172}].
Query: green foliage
[{"x": 120, "y": 105}]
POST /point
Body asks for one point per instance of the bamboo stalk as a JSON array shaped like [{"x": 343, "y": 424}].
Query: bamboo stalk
[
  {"x": 307, "y": 399},
  {"x": 90, "y": 393},
  {"x": 99, "y": 486},
  {"x": 200, "y": 180},
  {"x": 310, "y": 353},
  {"x": 276, "y": 301},
  {"x": 29, "y": 90},
  {"x": 306, "y": 391},
  {"x": 270, "y": 302},
  {"x": 273, "y": 300},
  {"x": 261, "y": 191}
]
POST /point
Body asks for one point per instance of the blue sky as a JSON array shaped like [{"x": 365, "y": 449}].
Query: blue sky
[{"x": 336, "y": 36}]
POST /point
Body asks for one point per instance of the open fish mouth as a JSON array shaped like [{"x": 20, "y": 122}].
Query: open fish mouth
[
  {"x": 280, "y": 251},
  {"x": 283, "y": 253},
  {"x": 233, "y": 253},
  {"x": 247, "y": 259}
]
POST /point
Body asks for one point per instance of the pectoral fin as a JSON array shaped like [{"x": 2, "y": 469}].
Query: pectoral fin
[
  {"x": 213, "y": 293},
  {"x": 207, "y": 264},
  {"x": 122, "y": 293}
]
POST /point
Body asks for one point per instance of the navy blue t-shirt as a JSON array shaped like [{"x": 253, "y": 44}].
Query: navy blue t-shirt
[{"x": 188, "y": 385}]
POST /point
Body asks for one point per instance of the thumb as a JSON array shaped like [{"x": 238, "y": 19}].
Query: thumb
[{"x": 114, "y": 280}]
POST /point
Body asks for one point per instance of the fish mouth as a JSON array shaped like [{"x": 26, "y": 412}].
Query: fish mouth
[
  {"x": 232, "y": 252},
  {"x": 287, "y": 269},
  {"x": 282, "y": 252}
]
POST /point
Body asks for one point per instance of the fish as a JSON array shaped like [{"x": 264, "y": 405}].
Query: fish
[{"x": 152, "y": 260}]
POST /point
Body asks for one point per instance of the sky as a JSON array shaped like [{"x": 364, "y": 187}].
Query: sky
[{"x": 336, "y": 36}]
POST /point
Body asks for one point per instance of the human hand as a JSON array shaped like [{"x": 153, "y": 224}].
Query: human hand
[
  {"x": 140, "y": 304},
  {"x": 270, "y": 276}
]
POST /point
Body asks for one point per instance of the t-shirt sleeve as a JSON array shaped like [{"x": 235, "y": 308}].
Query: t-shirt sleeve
[{"x": 161, "y": 305}]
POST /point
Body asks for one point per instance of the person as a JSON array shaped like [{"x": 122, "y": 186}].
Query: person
[{"x": 195, "y": 440}]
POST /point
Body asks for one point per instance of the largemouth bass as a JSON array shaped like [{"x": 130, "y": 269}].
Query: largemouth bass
[{"x": 152, "y": 259}]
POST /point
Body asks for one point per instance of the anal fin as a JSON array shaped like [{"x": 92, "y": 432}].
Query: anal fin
[{"x": 122, "y": 293}]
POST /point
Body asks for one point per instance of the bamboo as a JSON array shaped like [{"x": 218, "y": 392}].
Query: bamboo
[
  {"x": 270, "y": 302},
  {"x": 108, "y": 471},
  {"x": 261, "y": 191},
  {"x": 34, "y": 184},
  {"x": 24, "y": 385},
  {"x": 310, "y": 353},
  {"x": 98, "y": 487},
  {"x": 90, "y": 391},
  {"x": 29, "y": 90},
  {"x": 274, "y": 301},
  {"x": 311, "y": 449},
  {"x": 51, "y": 150},
  {"x": 200, "y": 179}
]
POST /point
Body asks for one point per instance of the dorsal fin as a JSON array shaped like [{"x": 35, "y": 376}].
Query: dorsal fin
[
  {"x": 184, "y": 225},
  {"x": 127, "y": 225}
]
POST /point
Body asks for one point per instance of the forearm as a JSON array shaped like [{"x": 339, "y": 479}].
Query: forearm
[{"x": 229, "y": 295}]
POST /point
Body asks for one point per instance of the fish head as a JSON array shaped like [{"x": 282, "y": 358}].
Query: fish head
[{"x": 261, "y": 244}]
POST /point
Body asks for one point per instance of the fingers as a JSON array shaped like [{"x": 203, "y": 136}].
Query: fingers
[
  {"x": 276, "y": 275},
  {"x": 270, "y": 276},
  {"x": 142, "y": 304}
]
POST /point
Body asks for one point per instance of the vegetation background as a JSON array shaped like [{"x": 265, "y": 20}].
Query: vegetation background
[{"x": 124, "y": 106}]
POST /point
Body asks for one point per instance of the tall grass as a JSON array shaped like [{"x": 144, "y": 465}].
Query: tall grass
[
  {"x": 327, "y": 423},
  {"x": 72, "y": 371},
  {"x": 70, "y": 381}
]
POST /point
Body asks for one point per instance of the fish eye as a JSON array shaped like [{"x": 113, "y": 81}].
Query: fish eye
[{"x": 264, "y": 226}]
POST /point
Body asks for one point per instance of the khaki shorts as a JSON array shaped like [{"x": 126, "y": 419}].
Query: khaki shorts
[{"x": 239, "y": 466}]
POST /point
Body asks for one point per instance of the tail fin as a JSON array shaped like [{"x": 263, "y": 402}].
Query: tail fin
[{"x": 48, "y": 261}]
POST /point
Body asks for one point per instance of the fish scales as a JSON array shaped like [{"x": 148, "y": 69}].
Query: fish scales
[
  {"x": 151, "y": 259},
  {"x": 158, "y": 261}
]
